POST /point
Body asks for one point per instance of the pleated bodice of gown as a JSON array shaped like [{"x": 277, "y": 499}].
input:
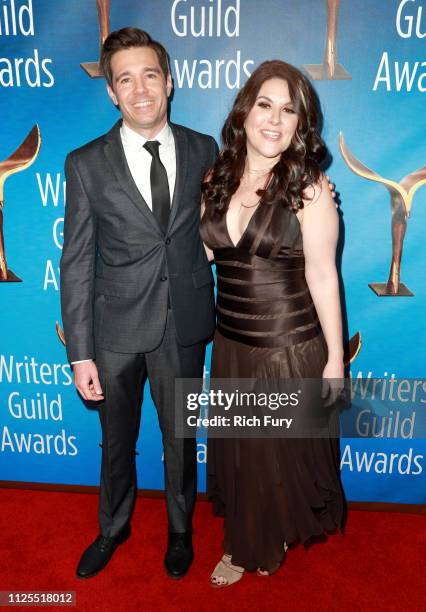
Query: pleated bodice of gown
[{"x": 263, "y": 299}]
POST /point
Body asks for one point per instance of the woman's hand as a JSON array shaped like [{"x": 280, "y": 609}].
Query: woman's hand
[{"x": 333, "y": 381}]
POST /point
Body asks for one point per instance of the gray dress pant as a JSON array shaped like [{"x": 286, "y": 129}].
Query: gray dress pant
[{"x": 123, "y": 376}]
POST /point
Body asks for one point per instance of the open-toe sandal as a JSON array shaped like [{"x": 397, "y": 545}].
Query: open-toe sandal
[
  {"x": 261, "y": 572},
  {"x": 225, "y": 573}
]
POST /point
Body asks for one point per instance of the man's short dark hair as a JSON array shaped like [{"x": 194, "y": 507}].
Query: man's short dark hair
[{"x": 126, "y": 38}]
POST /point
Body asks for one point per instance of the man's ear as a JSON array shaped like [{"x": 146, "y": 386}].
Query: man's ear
[
  {"x": 169, "y": 84},
  {"x": 112, "y": 95}
]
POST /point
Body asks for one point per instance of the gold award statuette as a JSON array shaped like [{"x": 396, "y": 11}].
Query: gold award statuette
[
  {"x": 60, "y": 333},
  {"x": 352, "y": 348},
  {"x": 20, "y": 160},
  {"x": 401, "y": 196},
  {"x": 93, "y": 69},
  {"x": 329, "y": 70}
]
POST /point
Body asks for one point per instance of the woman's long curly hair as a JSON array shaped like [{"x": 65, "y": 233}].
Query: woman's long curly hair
[{"x": 299, "y": 165}]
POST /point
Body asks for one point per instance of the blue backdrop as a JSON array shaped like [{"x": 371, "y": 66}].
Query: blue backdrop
[{"x": 213, "y": 45}]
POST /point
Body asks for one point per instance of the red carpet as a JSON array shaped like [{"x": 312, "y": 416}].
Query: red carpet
[{"x": 377, "y": 565}]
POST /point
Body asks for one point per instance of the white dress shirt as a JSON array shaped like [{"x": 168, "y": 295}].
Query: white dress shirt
[{"x": 139, "y": 162}]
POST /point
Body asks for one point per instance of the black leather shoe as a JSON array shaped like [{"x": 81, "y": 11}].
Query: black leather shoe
[
  {"x": 96, "y": 557},
  {"x": 179, "y": 554}
]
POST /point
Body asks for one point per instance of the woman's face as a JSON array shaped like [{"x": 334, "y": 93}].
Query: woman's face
[{"x": 272, "y": 122}]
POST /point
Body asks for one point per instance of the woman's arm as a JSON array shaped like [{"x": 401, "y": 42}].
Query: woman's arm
[
  {"x": 320, "y": 230},
  {"x": 209, "y": 252}
]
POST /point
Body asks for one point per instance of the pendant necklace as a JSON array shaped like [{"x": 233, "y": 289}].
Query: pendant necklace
[
  {"x": 268, "y": 180},
  {"x": 242, "y": 205}
]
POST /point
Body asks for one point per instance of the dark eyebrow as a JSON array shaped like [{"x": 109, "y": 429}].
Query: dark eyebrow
[
  {"x": 127, "y": 72},
  {"x": 289, "y": 103},
  {"x": 122, "y": 74},
  {"x": 149, "y": 69}
]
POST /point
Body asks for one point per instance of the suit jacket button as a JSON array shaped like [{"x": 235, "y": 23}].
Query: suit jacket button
[
  {"x": 168, "y": 241},
  {"x": 163, "y": 278}
]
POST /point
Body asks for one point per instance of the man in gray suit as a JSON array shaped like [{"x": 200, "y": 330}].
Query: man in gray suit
[{"x": 136, "y": 286}]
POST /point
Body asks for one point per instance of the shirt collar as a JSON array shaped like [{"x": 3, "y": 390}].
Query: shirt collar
[{"x": 136, "y": 141}]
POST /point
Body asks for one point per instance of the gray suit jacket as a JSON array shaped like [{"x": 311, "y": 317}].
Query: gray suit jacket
[{"x": 117, "y": 267}]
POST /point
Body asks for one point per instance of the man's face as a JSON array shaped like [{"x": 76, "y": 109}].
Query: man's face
[{"x": 140, "y": 89}]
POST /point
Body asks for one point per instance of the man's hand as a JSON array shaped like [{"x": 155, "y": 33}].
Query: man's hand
[{"x": 86, "y": 380}]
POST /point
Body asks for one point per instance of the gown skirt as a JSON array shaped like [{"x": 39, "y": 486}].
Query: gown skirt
[{"x": 270, "y": 491}]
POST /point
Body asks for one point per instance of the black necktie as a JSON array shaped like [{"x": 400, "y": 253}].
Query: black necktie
[{"x": 159, "y": 186}]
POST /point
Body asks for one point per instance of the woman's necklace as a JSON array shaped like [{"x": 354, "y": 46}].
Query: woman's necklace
[
  {"x": 242, "y": 205},
  {"x": 262, "y": 173}
]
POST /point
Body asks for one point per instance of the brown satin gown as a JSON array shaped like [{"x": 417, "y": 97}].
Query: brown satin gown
[{"x": 270, "y": 491}]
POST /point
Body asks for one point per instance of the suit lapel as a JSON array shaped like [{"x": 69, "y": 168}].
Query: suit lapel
[
  {"x": 114, "y": 153},
  {"x": 181, "y": 147}
]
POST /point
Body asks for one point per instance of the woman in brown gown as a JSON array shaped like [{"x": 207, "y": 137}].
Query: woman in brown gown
[{"x": 271, "y": 225}]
